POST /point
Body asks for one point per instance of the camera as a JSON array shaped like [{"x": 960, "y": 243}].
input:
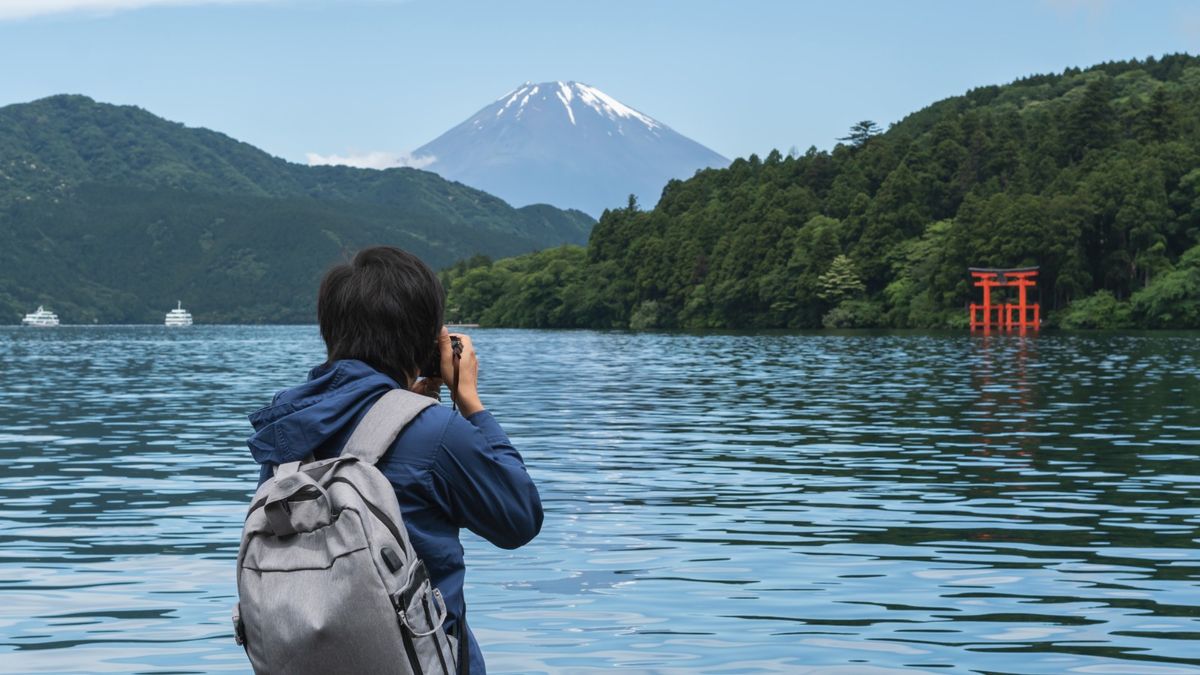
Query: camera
[{"x": 434, "y": 367}]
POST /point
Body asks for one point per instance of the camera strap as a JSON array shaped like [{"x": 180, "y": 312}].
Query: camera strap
[{"x": 454, "y": 389}]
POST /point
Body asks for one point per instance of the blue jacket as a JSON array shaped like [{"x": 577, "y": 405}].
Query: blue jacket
[{"x": 449, "y": 472}]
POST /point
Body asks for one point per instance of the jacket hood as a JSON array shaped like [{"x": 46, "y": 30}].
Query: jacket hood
[{"x": 318, "y": 416}]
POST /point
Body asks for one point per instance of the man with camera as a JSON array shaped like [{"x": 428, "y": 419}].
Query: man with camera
[{"x": 381, "y": 320}]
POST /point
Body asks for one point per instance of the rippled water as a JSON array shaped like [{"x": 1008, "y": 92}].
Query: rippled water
[{"x": 733, "y": 503}]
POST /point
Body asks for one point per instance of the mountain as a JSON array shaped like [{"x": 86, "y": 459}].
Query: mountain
[
  {"x": 109, "y": 213},
  {"x": 567, "y": 144},
  {"x": 1090, "y": 174}
]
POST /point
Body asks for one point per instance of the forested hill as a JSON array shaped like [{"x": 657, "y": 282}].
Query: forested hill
[
  {"x": 1094, "y": 175},
  {"x": 109, "y": 213}
]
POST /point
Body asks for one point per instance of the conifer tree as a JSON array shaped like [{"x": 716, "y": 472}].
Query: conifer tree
[
  {"x": 862, "y": 132},
  {"x": 840, "y": 281}
]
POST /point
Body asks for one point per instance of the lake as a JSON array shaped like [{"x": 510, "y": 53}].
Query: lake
[{"x": 827, "y": 503}]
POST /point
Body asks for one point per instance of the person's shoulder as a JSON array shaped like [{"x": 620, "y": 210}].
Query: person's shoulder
[
  {"x": 434, "y": 420},
  {"x": 423, "y": 436},
  {"x": 437, "y": 411},
  {"x": 442, "y": 427},
  {"x": 461, "y": 433}
]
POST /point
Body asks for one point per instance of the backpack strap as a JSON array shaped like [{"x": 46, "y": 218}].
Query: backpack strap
[
  {"x": 282, "y": 470},
  {"x": 378, "y": 429},
  {"x": 464, "y": 643}
]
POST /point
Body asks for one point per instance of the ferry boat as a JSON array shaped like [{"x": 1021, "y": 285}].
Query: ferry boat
[
  {"x": 178, "y": 316},
  {"x": 42, "y": 318}
]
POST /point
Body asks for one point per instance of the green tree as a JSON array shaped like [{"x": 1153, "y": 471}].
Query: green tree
[
  {"x": 1102, "y": 310},
  {"x": 1091, "y": 122},
  {"x": 1156, "y": 122},
  {"x": 1172, "y": 300},
  {"x": 841, "y": 281},
  {"x": 861, "y": 132}
]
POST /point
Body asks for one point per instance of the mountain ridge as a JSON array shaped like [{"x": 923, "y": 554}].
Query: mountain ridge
[{"x": 68, "y": 154}]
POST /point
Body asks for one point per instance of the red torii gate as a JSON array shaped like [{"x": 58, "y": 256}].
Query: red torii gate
[{"x": 1005, "y": 315}]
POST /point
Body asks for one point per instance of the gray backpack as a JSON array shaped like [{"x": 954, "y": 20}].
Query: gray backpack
[{"x": 327, "y": 580}]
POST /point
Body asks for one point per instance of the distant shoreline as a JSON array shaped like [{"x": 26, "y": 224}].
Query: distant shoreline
[{"x": 943, "y": 331}]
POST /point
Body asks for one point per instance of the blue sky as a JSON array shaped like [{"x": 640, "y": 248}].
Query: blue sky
[{"x": 351, "y": 77}]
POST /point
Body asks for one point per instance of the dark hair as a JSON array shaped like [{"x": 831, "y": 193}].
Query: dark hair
[{"x": 384, "y": 308}]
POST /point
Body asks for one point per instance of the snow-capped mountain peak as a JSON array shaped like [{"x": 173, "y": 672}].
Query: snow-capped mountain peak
[
  {"x": 568, "y": 144},
  {"x": 575, "y": 98}
]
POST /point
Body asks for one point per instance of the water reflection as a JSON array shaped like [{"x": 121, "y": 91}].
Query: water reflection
[{"x": 715, "y": 502}]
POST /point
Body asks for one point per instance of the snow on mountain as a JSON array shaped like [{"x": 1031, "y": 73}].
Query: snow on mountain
[{"x": 567, "y": 144}]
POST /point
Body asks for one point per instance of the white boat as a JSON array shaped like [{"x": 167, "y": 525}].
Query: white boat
[
  {"x": 178, "y": 316},
  {"x": 42, "y": 318}
]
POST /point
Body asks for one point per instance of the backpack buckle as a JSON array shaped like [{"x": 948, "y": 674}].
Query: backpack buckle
[
  {"x": 239, "y": 630},
  {"x": 437, "y": 620},
  {"x": 419, "y": 592}
]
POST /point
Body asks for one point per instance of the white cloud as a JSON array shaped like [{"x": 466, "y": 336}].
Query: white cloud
[
  {"x": 24, "y": 9},
  {"x": 372, "y": 160}
]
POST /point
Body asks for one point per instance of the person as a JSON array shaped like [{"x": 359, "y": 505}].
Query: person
[{"x": 381, "y": 318}]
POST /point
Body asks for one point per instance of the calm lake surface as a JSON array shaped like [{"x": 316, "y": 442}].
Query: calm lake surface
[{"x": 835, "y": 503}]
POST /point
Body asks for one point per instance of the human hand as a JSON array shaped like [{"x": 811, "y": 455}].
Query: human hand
[
  {"x": 462, "y": 377},
  {"x": 428, "y": 386}
]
